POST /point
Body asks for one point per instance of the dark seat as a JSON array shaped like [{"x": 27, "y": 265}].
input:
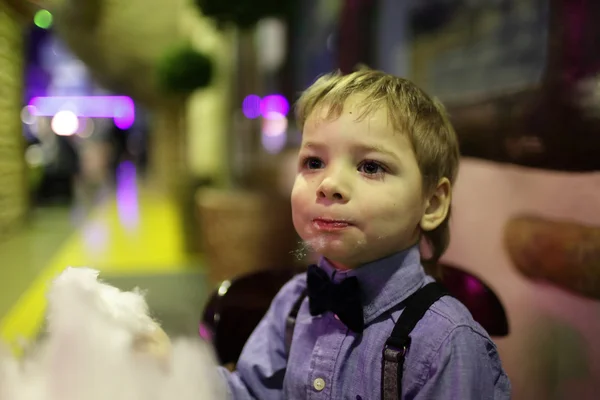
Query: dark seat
[
  {"x": 237, "y": 306},
  {"x": 481, "y": 301}
]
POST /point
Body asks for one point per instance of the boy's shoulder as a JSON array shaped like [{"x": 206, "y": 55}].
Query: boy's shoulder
[
  {"x": 451, "y": 311},
  {"x": 448, "y": 314},
  {"x": 291, "y": 291},
  {"x": 448, "y": 335},
  {"x": 448, "y": 326}
]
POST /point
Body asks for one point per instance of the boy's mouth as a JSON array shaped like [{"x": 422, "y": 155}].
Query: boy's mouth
[{"x": 327, "y": 224}]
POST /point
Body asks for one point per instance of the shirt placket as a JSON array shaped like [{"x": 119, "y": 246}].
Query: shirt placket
[{"x": 323, "y": 359}]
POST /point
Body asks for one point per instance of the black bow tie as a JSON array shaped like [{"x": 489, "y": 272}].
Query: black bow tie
[{"x": 342, "y": 299}]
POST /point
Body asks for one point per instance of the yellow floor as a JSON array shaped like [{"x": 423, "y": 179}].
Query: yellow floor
[{"x": 128, "y": 234}]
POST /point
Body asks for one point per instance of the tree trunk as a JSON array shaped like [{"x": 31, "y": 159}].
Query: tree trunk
[{"x": 169, "y": 169}]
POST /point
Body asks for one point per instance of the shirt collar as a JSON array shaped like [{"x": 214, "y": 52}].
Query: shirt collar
[{"x": 384, "y": 283}]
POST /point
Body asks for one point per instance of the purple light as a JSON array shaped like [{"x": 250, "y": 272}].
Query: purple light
[
  {"x": 275, "y": 103},
  {"x": 273, "y": 144},
  {"x": 124, "y": 113},
  {"x": 127, "y": 198},
  {"x": 204, "y": 332},
  {"x": 473, "y": 285},
  {"x": 251, "y": 106},
  {"x": 120, "y": 108},
  {"x": 95, "y": 237}
]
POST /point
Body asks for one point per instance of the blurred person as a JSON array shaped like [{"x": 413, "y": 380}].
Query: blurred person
[
  {"x": 94, "y": 178},
  {"x": 61, "y": 164}
]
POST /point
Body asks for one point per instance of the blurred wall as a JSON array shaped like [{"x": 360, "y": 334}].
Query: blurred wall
[
  {"x": 552, "y": 351},
  {"x": 13, "y": 190}
]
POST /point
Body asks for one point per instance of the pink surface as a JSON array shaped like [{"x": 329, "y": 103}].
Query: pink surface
[{"x": 553, "y": 351}]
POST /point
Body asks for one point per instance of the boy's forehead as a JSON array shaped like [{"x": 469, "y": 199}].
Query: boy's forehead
[{"x": 357, "y": 107}]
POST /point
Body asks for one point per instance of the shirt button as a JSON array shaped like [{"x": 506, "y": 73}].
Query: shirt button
[{"x": 319, "y": 384}]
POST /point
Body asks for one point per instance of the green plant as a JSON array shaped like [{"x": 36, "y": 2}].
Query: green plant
[
  {"x": 242, "y": 13},
  {"x": 183, "y": 70}
]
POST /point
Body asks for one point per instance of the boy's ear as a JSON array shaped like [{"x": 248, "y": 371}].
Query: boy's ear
[{"x": 437, "y": 206}]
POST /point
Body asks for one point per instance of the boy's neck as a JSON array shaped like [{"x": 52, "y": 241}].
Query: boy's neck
[
  {"x": 341, "y": 267},
  {"x": 338, "y": 266}
]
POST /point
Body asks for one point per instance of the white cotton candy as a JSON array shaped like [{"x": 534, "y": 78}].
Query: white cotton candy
[{"x": 87, "y": 353}]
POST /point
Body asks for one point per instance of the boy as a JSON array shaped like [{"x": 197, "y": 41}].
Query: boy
[{"x": 375, "y": 170}]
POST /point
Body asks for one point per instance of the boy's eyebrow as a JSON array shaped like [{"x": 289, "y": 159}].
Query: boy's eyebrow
[
  {"x": 373, "y": 148},
  {"x": 364, "y": 148},
  {"x": 313, "y": 145}
]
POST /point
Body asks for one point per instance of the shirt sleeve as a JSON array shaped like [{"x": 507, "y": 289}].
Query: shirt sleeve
[
  {"x": 262, "y": 364},
  {"x": 467, "y": 366}
]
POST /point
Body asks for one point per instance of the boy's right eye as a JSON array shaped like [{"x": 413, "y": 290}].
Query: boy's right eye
[{"x": 312, "y": 163}]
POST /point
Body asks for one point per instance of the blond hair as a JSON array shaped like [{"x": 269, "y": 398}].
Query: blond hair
[{"x": 411, "y": 111}]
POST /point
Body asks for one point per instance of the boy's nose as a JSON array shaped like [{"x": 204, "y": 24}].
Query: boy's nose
[
  {"x": 333, "y": 190},
  {"x": 334, "y": 196}
]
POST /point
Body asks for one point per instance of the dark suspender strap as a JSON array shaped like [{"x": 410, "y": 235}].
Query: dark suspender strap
[
  {"x": 398, "y": 343},
  {"x": 290, "y": 323}
]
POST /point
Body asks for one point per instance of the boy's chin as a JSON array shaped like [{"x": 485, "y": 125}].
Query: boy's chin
[
  {"x": 338, "y": 249},
  {"x": 345, "y": 258}
]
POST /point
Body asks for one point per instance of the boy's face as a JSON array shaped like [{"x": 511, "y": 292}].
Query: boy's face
[{"x": 358, "y": 192}]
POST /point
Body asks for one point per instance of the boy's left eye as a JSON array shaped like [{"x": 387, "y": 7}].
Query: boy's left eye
[{"x": 371, "y": 168}]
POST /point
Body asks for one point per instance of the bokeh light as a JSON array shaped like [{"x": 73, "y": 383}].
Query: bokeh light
[
  {"x": 65, "y": 123},
  {"x": 274, "y": 144},
  {"x": 124, "y": 115},
  {"x": 43, "y": 19},
  {"x": 251, "y": 106},
  {"x": 274, "y": 132},
  {"x": 34, "y": 155},
  {"x": 274, "y": 103},
  {"x": 274, "y": 124},
  {"x": 86, "y": 128},
  {"x": 120, "y": 108},
  {"x": 28, "y": 115}
]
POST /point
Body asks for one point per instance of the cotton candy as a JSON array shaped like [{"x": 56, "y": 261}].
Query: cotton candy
[{"x": 94, "y": 349}]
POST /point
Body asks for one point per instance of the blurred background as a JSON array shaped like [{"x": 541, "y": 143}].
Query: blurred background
[{"x": 155, "y": 141}]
